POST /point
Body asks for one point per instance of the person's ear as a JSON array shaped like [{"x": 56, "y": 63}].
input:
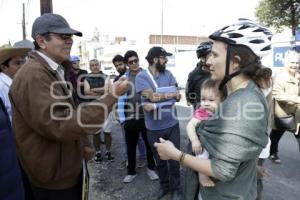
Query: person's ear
[
  {"x": 155, "y": 60},
  {"x": 41, "y": 41},
  {"x": 3, "y": 67},
  {"x": 236, "y": 63}
]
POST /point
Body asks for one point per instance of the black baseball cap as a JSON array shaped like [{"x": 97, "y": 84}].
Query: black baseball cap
[
  {"x": 52, "y": 23},
  {"x": 156, "y": 52}
]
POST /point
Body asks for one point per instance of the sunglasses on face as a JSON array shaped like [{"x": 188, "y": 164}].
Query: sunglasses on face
[
  {"x": 133, "y": 61},
  {"x": 63, "y": 36}
]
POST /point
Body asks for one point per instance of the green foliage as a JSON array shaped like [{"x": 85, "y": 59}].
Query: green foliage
[{"x": 279, "y": 13}]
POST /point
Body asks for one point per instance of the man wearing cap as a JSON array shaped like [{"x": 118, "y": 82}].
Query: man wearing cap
[
  {"x": 76, "y": 76},
  {"x": 51, "y": 131},
  {"x": 157, "y": 85},
  {"x": 11, "y": 59}
]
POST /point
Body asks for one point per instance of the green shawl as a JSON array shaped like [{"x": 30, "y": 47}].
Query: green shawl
[{"x": 234, "y": 138}]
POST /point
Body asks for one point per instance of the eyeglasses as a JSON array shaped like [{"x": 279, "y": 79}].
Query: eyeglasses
[
  {"x": 133, "y": 61},
  {"x": 63, "y": 36}
]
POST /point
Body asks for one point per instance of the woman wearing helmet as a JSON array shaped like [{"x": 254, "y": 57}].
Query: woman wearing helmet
[{"x": 237, "y": 132}]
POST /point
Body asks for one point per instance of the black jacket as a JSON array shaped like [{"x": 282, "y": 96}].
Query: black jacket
[
  {"x": 194, "y": 82},
  {"x": 10, "y": 176}
]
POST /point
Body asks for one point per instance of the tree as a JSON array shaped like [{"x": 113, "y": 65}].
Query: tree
[{"x": 279, "y": 13}]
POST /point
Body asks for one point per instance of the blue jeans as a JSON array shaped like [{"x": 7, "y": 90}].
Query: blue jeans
[{"x": 168, "y": 170}]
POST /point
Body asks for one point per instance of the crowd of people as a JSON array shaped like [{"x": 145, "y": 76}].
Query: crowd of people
[{"x": 54, "y": 115}]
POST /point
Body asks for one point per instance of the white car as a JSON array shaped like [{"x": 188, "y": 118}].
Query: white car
[{"x": 109, "y": 70}]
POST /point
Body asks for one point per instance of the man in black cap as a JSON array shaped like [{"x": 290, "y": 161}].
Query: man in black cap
[
  {"x": 51, "y": 130},
  {"x": 158, "y": 88}
]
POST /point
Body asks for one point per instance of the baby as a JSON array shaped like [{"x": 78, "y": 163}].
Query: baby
[{"x": 211, "y": 97}]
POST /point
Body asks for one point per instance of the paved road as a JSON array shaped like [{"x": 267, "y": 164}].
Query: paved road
[{"x": 106, "y": 180}]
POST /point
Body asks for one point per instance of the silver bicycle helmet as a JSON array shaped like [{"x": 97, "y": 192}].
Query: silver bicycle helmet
[{"x": 244, "y": 33}]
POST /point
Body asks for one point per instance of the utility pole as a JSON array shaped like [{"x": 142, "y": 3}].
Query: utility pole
[
  {"x": 162, "y": 22},
  {"x": 46, "y": 6},
  {"x": 23, "y": 23}
]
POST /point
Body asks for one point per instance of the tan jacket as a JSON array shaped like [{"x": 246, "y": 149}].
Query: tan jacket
[
  {"x": 50, "y": 149},
  {"x": 286, "y": 93}
]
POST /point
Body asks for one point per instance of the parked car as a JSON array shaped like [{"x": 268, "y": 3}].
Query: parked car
[{"x": 109, "y": 70}]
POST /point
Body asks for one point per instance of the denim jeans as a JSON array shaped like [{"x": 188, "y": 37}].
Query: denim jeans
[
  {"x": 168, "y": 170},
  {"x": 141, "y": 147},
  {"x": 133, "y": 129}
]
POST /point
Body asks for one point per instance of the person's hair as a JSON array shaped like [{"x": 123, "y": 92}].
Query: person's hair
[
  {"x": 95, "y": 60},
  {"x": 129, "y": 54},
  {"x": 291, "y": 56},
  {"x": 46, "y": 36},
  {"x": 5, "y": 63},
  {"x": 118, "y": 58},
  {"x": 150, "y": 60},
  {"x": 251, "y": 66},
  {"x": 210, "y": 84}
]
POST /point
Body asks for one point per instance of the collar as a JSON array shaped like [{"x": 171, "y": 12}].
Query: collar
[
  {"x": 50, "y": 62},
  {"x": 6, "y": 79},
  {"x": 129, "y": 71},
  {"x": 292, "y": 78}
]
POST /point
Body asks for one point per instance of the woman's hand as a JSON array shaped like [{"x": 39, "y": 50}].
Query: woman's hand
[
  {"x": 167, "y": 150},
  {"x": 196, "y": 146}
]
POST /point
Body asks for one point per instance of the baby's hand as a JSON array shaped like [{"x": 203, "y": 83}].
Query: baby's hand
[{"x": 196, "y": 146}]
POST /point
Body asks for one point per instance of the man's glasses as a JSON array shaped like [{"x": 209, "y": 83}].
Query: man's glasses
[
  {"x": 63, "y": 36},
  {"x": 133, "y": 61}
]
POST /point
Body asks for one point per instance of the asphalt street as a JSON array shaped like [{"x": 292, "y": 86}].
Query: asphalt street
[{"x": 106, "y": 182}]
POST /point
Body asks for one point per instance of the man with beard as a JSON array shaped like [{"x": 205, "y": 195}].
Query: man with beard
[
  {"x": 158, "y": 87},
  {"x": 120, "y": 66},
  {"x": 198, "y": 75}
]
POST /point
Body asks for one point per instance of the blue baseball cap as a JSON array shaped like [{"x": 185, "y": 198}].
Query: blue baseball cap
[{"x": 74, "y": 58}]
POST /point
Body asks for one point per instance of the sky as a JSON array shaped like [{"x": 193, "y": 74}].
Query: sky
[{"x": 134, "y": 19}]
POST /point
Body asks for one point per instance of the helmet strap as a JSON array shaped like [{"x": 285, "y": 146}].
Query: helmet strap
[{"x": 227, "y": 76}]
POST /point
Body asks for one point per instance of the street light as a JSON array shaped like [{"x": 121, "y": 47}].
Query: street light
[{"x": 162, "y": 22}]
